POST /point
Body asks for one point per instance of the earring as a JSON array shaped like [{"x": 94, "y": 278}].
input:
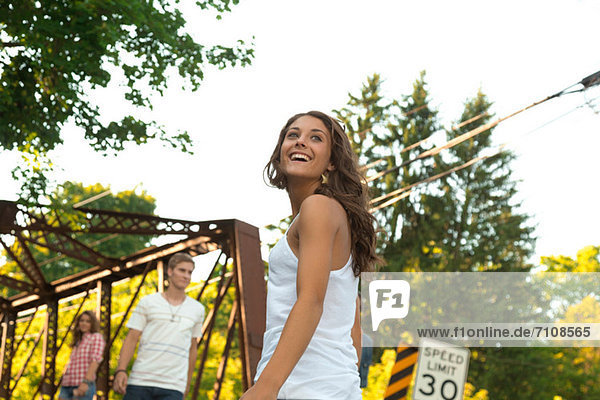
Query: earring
[{"x": 324, "y": 179}]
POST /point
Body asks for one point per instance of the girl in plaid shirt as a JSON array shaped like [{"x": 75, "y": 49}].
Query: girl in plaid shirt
[{"x": 79, "y": 379}]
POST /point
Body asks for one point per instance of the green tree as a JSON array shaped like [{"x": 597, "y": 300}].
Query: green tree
[
  {"x": 486, "y": 230},
  {"x": 52, "y": 53}
]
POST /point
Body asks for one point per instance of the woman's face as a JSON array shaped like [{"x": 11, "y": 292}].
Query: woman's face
[
  {"x": 85, "y": 323},
  {"x": 306, "y": 150}
]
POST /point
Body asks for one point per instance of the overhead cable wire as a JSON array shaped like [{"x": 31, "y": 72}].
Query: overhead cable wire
[
  {"x": 587, "y": 82},
  {"x": 475, "y": 118},
  {"x": 457, "y": 140},
  {"x": 422, "y": 141},
  {"x": 406, "y": 191},
  {"x": 371, "y": 164}
]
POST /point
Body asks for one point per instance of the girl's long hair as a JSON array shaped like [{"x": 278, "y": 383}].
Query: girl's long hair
[
  {"x": 345, "y": 183},
  {"x": 77, "y": 334}
]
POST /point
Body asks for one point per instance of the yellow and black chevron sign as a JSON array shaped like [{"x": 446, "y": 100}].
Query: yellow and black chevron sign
[{"x": 406, "y": 358}]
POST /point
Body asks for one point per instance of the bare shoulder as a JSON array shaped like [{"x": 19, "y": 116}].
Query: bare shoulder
[{"x": 322, "y": 210}]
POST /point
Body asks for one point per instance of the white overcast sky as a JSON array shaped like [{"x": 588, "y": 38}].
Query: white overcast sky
[{"x": 310, "y": 54}]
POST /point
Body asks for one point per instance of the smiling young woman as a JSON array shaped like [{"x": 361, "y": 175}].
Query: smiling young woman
[{"x": 312, "y": 339}]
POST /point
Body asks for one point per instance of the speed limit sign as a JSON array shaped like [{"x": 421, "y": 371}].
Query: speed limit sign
[{"x": 441, "y": 371}]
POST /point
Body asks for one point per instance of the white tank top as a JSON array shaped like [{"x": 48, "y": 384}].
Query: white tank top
[{"x": 327, "y": 369}]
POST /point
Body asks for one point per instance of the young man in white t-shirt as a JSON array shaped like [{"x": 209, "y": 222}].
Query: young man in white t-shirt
[{"x": 168, "y": 325}]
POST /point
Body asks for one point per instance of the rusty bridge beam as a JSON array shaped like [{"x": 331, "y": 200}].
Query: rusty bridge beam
[
  {"x": 105, "y": 221},
  {"x": 8, "y": 213},
  {"x": 43, "y": 218},
  {"x": 6, "y": 353},
  {"x": 104, "y": 312},
  {"x": 128, "y": 267},
  {"x": 49, "y": 350},
  {"x": 252, "y": 296},
  {"x": 5, "y": 306}
]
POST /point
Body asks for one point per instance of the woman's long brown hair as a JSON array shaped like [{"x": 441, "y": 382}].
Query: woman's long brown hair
[
  {"x": 345, "y": 183},
  {"x": 77, "y": 334}
]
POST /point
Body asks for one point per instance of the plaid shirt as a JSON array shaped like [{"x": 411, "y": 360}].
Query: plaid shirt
[{"x": 89, "y": 349}]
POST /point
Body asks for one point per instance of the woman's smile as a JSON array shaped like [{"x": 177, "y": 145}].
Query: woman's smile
[{"x": 306, "y": 149}]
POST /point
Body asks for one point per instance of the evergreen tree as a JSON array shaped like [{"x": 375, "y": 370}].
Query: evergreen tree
[{"x": 486, "y": 230}]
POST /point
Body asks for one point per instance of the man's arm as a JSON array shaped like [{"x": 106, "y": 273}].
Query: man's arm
[
  {"x": 129, "y": 345},
  {"x": 192, "y": 364}
]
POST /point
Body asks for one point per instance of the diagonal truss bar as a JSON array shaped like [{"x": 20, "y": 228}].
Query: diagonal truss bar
[
  {"x": 26, "y": 330},
  {"x": 207, "y": 329},
  {"x": 64, "y": 337},
  {"x": 223, "y": 364},
  {"x": 47, "y": 387},
  {"x": 210, "y": 274},
  {"x": 73, "y": 248},
  {"x": 213, "y": 312},
  {"x": 26, "y": 262},
  {"x": 27, "y": 359},
  {"x": 126, "y": 314},
  {"x": 16, "y": 284}
]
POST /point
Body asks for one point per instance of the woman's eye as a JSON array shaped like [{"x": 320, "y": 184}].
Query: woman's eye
[
  {"x": 317, "y": 137},
  {"x": 292, "y": 134}
]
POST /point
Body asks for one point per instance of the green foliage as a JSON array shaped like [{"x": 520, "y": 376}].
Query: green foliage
[
  {"x": 587, "y": 260},
  {"x": 467, "y": 221},
  {"x": 53, "y": 52},
  {"x": 379, "y": 376},
  {"x": 548, "y": 373}
]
